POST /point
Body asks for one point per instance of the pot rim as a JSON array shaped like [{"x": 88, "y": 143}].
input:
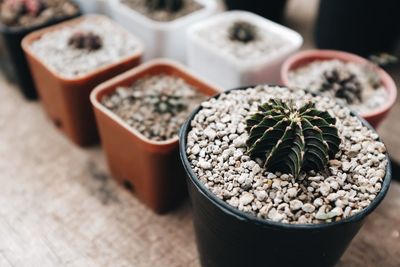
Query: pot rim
[
  {"x": 35, "y": 35},
  {"x": 293, "y": 40},
  {"x": 232, "y": 211},
  {"x": 295, "y": 61}
]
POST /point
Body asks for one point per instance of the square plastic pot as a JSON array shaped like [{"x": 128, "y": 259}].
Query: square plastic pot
[
  {"x": 66, "y": 100},
  {"x": 162, "y": 39},
  {"x": 151, "y": 168},
  {"x": 12, "y": 58},
  {"x": 226, "y": 236},
  {"x": 94, "y": 6},
  {"x": 230, "y": 72}
]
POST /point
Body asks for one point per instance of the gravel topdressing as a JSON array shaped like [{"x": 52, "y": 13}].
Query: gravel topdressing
[
  {"x": 54, "y": 50},
  {"x": 217, "y": 35},
  {"x": 156, "y": 106},
  {"x": 311, "y": 77},
  {"x": 189, "y": 6},
  {"x": 216, "y": 150}
]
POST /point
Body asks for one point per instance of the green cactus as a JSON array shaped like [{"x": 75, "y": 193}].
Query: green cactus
[
  {"x": 242, "y": 31},
  {"x": 290, "y": 139},
  {"x": 168, "y": 5}
]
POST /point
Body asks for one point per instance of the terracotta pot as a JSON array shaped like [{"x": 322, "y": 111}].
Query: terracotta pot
[
  {"x": 151, "y": 168},
  {"x": 66, "y": 100},
  {"x": 226, "y": 236},
  {"x": 12, "y": 58},
  {"x": 299, "y": 59}
]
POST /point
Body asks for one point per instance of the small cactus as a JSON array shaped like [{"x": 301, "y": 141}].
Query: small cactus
[
  {"x": 85, "y": 40},
  {"x": 168, "y": 5},
  {"x": 165, "y": 103},
  {"x": 343, "y": 84},
  {"x": 290, "y": 139},
  {"x": 242, "y": 31}
]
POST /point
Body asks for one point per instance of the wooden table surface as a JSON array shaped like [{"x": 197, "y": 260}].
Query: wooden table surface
[{"x": 60, "y": 207}]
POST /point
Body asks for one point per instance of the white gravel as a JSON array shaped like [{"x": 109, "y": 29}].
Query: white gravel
[
  {"x": 217, "y": 35},
  {"x": 351, "y": 182},
  {"x": 53, "y": 49},
  {"x": 310, "y": 76}
]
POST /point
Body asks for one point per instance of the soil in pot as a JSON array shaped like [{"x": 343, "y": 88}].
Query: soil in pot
[
  {"x": 358, "y": 86},
  {"x": 241, "y": 40},
  {"x": 163, "y": 10},
  {"x": 228, "y": 151},
  {"x": 77, "y": 50},
  {"x": 155, "y": 105}
]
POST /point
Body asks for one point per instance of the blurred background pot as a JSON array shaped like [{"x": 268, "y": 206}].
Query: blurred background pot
[
  {"x": 228, "y": 237},
  {"x": 273, "y": 10},
  {"x": 363, "y": 27},
  {"x": 375, "y": 117},
  {"x": 162, "y": 39},
  {"x": 12, "y": 58},
  {"x": 152, "y": 169},
  {"x": 229, "y": 70},
  {"x": 66, "y": 99}
]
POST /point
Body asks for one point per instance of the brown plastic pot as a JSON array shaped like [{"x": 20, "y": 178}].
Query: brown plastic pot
[
  {"x": 66, "y": 100},
  {"x": 376, "y": 117},
  {"x": 152, "y": 169}
]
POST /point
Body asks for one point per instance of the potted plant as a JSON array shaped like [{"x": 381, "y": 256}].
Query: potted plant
[
  {"x": 242, "y": 47},
  {"x": 365, "y": 27},
  {"x": 270, "y": 168},
  {"x": 19, "y": 18},
  {"x": 94, "y": 6},
  {"x": 353, "y": 80},
  {"x": 69, "y": 59},
  {"x": 162, "y": 24},
  {"x": 273, "y": 10},
  {"x": 139, "y": 114}
]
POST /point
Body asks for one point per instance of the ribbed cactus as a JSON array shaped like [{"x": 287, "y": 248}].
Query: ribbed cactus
[
  {"x": 242, "y": 31},
  {"x": 290, "y": 139},
  {"x": 168, "y": 5},
  {"x": 85, "y": 40}
]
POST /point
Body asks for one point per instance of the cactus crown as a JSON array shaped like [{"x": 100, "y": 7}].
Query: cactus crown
[
  {"x": 242, "y": 31},
  {"x": 290, "y": 139},
  {"x": 165, "y": 103},
  {"x": 85, "y": 40},
  {"x": 168, "y": 5},
  {"x": 342, "y": 84}
]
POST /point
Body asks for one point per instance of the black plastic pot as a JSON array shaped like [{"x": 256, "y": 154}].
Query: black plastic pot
[
  {"x": 12, "y": 58},
  {"x": 227, "y": 237},
  {"x": 272, "y": 10},
  {"x": 363, "y": 27}
]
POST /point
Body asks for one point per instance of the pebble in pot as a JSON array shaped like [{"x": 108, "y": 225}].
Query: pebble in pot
[
  {"x": 283, "y": 167},
  {"x": 244, "y": 48},
  {"x": 69, "y": 60},
  {"x": 18, "y": 18}
]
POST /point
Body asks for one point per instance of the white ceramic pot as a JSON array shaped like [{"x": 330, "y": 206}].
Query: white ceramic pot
[
  {"x": 162, "y": 39},
  {"x": 94, "y": 6},
  {"x": 222, "y": 67}
]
